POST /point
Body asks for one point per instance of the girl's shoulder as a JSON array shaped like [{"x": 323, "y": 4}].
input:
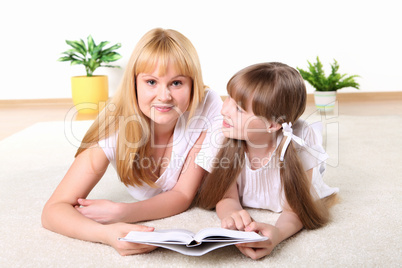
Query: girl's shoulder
[
  {"x": 311, "y": 133},
  {"x": 312, "y": 153}
]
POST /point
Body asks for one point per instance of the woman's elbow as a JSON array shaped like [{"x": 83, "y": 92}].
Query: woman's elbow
[
  {"x": 44, "y": 217},
  {"x": 185, "y": 202}
]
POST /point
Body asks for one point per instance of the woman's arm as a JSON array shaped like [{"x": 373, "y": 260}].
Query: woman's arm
[
  {"x": 166, "y": 204},
  {"x": 230, "y": 211},
  {"x": 59, "y": 214},
  {"x": 175, "y": 201}
]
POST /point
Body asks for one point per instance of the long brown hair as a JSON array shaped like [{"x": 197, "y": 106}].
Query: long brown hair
[
  {"x": 122, "y": 115},
  {"x": 277, "y": 93}
]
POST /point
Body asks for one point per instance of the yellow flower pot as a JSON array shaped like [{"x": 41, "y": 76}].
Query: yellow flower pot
[{"x": 89, "y": 93}]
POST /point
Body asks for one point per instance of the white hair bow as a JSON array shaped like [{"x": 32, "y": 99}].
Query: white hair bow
[{"x": 288, "y": 133}]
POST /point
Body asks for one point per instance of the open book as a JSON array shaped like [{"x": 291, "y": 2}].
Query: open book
[{"x": 188, "y": 243}]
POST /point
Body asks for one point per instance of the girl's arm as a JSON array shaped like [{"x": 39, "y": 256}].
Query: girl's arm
[
  {"x": 287, "y": 225},
  {"x": 59, "y": 214},
  {"x": 230, "y": 211},
  {"x": 166, "y": 204}
]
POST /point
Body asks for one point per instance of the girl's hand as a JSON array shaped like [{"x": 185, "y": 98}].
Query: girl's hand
[
  {"x": 101, "y": 210},
  {"x": 261, "y": 249},
  {"x": 238, "y": 220},
  {"x": 116, "y": 230}
]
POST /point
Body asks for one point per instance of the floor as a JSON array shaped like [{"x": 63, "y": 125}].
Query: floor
[{"x": 16, "y": 117}]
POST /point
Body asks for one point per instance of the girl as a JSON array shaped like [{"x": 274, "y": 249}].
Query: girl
[
  {"x": 270, "y": 158},
  {"x": 150, "y": 132}
]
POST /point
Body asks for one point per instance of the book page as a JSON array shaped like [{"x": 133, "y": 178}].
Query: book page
[
  {"x": 171, "y": 236},
  {"x": 225, "y": 235}
]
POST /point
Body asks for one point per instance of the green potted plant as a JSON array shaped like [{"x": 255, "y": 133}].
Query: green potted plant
[
  {"x": 90, "y": 90},
  {"x": 326, "y": 86}
]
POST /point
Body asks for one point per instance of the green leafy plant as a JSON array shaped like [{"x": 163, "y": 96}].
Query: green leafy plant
[
  {"x": 91, "y": 55},
  {"x": 317, "y": 78}
]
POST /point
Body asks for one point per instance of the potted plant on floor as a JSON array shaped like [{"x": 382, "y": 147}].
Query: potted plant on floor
[
  {"x": 326, "y": 86},
  {"x": 90, "y": 90}
]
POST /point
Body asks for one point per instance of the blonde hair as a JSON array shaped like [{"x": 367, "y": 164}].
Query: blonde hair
[
  {"x": 277, "y": 93},
  {"x": 122, "y": 115}
]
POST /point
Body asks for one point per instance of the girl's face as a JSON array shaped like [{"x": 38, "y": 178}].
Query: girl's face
[
  {"x": 165, "y": 98},
  {"x": 243, "y": 124}
]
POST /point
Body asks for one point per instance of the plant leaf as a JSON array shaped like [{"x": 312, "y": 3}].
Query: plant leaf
[
  {"x": 114, "y": 47},
  {"x": 73, "y": 55},
  {"x": 76, "y": 62},
  {"x": 83, "y": 45},
  {"x": 65, "y": 58},
  {"x": 112, "y": 56},
  {"x": 91, "y": 44},
  {"x": 99, "y": 47},
  {"x": 79, "y": 51},
  {"x": 70, "y": 52},
  {"x": 77, "y": 46},
  {"x": 110, "y": 66},
  {"x": 316, "y": 77}
]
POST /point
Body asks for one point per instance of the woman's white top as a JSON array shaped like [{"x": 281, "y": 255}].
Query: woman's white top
[
  {"x": 261, "y": 188},
  {"x": 186, "y": 132}
]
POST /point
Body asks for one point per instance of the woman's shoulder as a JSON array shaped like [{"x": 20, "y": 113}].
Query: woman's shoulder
[
  {"x": 212, "y": 94},
  {"x": 210, "y": 105},
  {"x": 108, "y": 146},
  {"x": 212, "y": 98}
]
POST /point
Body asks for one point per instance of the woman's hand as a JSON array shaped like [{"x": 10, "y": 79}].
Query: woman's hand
[
  {"x": 101, "y": 210},
  {"x": 116, "y": 230},
  {"x": 261, "y": 249},
  {"x": 238, "y": 220}
]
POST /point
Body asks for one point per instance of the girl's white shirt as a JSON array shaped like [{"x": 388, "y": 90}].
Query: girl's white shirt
[
  {"x": 206, "y": 117},
  {"x": 261, "y": 188}
]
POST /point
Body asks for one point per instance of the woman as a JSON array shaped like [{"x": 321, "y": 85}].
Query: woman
[{"x": 151, "y": 132}]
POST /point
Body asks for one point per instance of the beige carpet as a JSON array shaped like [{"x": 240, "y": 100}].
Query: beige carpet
[{"x": 365, "y": 232}]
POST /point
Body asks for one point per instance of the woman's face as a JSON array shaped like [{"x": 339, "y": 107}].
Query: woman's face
[
  {"x": 165, "y": 98},
  {"x": 241, "y": 124}
]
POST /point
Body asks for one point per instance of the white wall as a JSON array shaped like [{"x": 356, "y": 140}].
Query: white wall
[{"x": 363, "y": 36}]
